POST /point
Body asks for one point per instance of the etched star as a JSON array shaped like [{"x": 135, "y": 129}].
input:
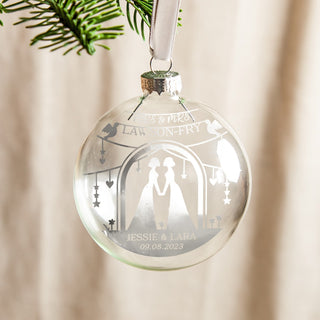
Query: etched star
[
  {"x": 96, "y": 204},
  {"x": 96, "y": 195},
  {"x": 227, "y": 201},
  {"x": 96, "y": 187},
  {"x": 227, "y": 184}
]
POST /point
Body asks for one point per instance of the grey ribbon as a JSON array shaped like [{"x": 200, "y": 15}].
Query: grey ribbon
[{"x": 163, "y": 28}]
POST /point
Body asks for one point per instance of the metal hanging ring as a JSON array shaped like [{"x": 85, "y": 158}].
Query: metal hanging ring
[{"x": 151, "y": 68}]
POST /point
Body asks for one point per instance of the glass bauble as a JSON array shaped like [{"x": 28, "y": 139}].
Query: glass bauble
[{"x": 161, "y": 182}]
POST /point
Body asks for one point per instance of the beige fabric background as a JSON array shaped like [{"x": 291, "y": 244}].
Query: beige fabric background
[{"x": 258, "y": 64}]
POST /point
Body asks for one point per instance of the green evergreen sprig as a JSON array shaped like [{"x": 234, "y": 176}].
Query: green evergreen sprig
[
  {"x": 142, "y": 8},
  {"x": 1, "y": 11},
  {"x": 79, "y": 24}
]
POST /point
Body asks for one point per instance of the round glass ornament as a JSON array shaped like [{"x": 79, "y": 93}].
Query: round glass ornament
[{"x": 161, "y": 182}]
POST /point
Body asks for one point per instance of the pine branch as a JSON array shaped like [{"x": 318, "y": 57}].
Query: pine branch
[
  {"x": 143, "y": 8},
  {"x": 70, "y": 24},
  {"x": 79, "y": 24},
  {"x": 1, "y": 11}
]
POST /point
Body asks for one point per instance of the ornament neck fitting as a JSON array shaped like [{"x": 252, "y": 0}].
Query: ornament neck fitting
[{"x": 161, "y": 81}]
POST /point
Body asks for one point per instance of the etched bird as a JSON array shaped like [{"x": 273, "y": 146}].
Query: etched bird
[
  {"x": 213, "y": 127},
  {"x": 111, "y": 130}
]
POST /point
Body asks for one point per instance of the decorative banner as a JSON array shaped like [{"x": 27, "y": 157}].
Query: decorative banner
[{"x": 170, "y": 131}]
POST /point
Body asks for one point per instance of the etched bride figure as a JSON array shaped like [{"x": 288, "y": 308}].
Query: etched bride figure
[
  {"x": 178, "y": 217},
  {"x": 144, "y": 216}
]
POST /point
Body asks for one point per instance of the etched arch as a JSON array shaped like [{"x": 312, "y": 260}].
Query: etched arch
[{"x": 151, "y": 148}]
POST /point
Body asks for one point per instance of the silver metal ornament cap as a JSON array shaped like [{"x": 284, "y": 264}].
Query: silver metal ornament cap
[{"x": 161, "y": 81}]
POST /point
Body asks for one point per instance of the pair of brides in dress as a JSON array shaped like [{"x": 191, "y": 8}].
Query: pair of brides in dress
[{"x": 178, "y": 215}]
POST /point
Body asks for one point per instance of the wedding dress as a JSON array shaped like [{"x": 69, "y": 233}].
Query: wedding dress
[
  {"x": 179, "y": 218},
  {"x": 144, "y": 216}
]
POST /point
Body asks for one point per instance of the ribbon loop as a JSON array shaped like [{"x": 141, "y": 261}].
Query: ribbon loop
[{"x": 163, "y": 28}]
